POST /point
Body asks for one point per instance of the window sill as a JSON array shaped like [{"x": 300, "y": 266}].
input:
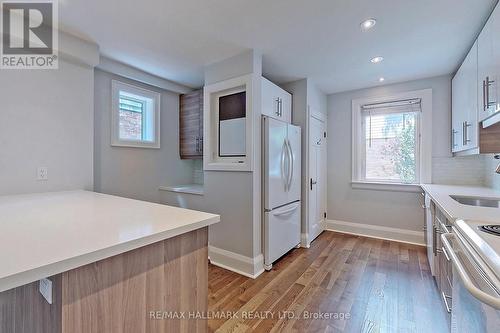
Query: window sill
[{"x": 392, "y": 187}]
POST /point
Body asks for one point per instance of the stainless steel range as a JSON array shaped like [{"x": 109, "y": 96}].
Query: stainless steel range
[
  {"x": 493, "y": 229},
  {"x": 474, "y": 249}
]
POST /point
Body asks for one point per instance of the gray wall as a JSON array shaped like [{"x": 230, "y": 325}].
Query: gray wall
[
  {"x": 137, "y": 172},
  {"x": 228, "y": 194},
  {"x": 492, "y": 178},
  {"x": 385, "y": 208},
  {"x": 232, "y": 194},
  {"x": 305, "y": 94},
  {"x": 46, "y": 121}
]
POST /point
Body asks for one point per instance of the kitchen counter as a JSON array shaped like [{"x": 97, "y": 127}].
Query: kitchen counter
[
  {"x": 196, "y": 189},
  {"x": 49, "y": 233},
  {"x": 454, "y": 210}
]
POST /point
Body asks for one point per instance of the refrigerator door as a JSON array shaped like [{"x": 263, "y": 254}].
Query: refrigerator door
[
  {"x": 282, "y": 231},
  {"x": 275, "y": 163},
  {"x": 294, "y": 161}
]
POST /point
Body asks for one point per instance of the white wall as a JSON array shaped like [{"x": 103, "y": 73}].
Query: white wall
[
  {"x": 316, "y": 98},
  {"x": 383, "y": 208},
  {"x": 46, "y": 120},
  {"x": 137, "y": 172}
]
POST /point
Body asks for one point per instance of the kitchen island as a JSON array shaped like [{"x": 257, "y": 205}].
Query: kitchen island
[{"x": 113, "y": 264}]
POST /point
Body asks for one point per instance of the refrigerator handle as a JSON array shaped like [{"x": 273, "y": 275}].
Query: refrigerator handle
[
  {"x": 287, "y": 211},
  {"x": 282, "y": 165},
  {"x": 290, "y": 163}
]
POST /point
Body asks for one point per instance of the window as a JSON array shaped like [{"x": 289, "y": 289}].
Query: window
[
  {"x": 136, "y": 116},
  {"x": 392, "y": 140},
  {"x": 229, "y": 124}
]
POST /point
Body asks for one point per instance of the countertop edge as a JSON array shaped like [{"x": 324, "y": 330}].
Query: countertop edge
[
  {"x": 438, "y": 203},
  {"x": 182, "y": 189},
  {"x": 447, "y": 207},
  {"x": 32, "y": 275}
]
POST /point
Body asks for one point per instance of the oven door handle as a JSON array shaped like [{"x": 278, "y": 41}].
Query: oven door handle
[{"x": 469, "y": 285}]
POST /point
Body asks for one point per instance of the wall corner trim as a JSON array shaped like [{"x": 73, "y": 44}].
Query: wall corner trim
[
  {"x": 246, "y": 266},
  {"x": 374, "y": 231}
]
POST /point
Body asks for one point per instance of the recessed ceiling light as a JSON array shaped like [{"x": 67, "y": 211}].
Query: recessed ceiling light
[
  {"x": 368, "y": 24},
  {"x": 381, "y": 79},
  {"x": 376, "y": 60}
]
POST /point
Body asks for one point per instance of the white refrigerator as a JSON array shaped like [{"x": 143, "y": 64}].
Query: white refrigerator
[{"x": 282, "y": 189}]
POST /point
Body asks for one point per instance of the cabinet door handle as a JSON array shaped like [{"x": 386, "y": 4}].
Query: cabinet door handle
[
  {"x": 467, "y": 125},
  {"x": 197, "y": 144},
  {"x": 484, "y": 95},
  {"x": 277, "y": 107},
  {"x": 487, "y": 92},
  {"x": 445, "y": 300},
  {"x": 453, "y": 138},
  {"x": 463, "y": 133},
  {"x": 488, "y": 85}
]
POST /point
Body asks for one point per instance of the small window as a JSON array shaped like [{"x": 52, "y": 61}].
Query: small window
[{"x": 136, "y": 116}]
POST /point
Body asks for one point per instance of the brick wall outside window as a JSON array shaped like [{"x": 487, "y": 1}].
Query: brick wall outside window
[{"x": 130, "y": 125}]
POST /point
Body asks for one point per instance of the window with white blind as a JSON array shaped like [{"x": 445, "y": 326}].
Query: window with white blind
[
  {"x": 387, "y": 140},
  {"x": 136, "y": 116},
  {"x": 390, "y": 151}
]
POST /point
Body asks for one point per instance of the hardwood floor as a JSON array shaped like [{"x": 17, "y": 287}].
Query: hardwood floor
[{"x": 363, "y": 284}]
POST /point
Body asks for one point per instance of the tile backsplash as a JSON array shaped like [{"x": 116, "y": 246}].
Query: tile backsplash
[
  {"x": 198, "y": 172},
  {"x": 467, "y": 170}
]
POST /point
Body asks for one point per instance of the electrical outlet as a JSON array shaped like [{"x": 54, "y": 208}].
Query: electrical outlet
[
  {"x": 42, "y": 173},
  {"x": 46, "y": 290}
]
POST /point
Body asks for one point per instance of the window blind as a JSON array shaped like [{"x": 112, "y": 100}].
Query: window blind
[
  {"x": 386, "y": 120},
  {"x": 129, "y": 104}
]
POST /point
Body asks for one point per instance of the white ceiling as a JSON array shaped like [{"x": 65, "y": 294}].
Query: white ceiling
[{"x": 319, "y": 39}]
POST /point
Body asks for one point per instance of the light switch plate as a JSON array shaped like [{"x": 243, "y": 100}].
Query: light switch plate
[{"x": 46, "y": 289}]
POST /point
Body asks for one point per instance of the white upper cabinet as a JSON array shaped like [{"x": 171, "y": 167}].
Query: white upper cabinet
[
  {"x": 464, "y": 103},
  {"x": 476, "y": 94},
  {"x": 276, "y": 102},
  {"x": 489, "y": 67}
]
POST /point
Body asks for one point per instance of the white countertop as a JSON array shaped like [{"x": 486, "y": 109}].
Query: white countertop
[
  {"x": 50, "y": 233},
  {"x": 453, "y": 210},
  {"x": 196, "y": 189}
]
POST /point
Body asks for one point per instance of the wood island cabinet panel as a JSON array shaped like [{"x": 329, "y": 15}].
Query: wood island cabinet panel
[
  {"x": 191, "y": 125},
  {"x": 119, "y": 294},
  {"x": 25, "y": 310}
]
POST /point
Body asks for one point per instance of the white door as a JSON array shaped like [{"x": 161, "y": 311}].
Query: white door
[
  {"x": 275, "y": 158},
  {"x": 317, "y": 176}
]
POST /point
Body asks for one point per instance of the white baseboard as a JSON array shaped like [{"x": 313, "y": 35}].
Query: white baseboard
[
  {"x": 246, "y": 266},
  {"x": 374, "y": 231}
]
